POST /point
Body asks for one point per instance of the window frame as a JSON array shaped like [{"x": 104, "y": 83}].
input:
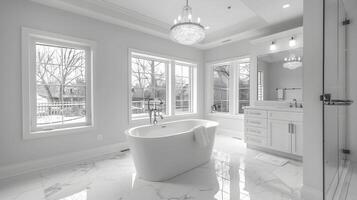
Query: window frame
[
  {"x": 234, "y": 100},
  {"x": 30, "y": 38},
  {"x": 239, "y": 62},
  {"x": 170, "y": 81},
  {"x": 193, "y": 87},
  {"x": 167, "y": 80},
  {"x": 230, "y": 85}
]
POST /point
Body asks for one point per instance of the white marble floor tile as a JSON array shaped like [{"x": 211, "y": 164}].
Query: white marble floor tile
[
  {"x": 352, "y": 189},
  {"x": 232, "y": 174}
]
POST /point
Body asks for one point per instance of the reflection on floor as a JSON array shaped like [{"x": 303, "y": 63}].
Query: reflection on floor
[
  {"x": 352, "y": 192},
  {"x": 232, "y": 174}
]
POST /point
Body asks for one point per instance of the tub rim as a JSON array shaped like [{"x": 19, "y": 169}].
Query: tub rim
[{"x": 129, "y": 130}]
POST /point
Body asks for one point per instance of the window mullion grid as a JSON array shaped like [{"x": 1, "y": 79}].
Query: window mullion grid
[
  {"x": 231, "y": 88},
  {"x": 211, "y": 89},
  {"x": 190, "y": 74},
  {"x": 60, "y": 104},
  {"x": 89, "y": 81},
  {"x": 237, "y": 88},
  {"x": 170, "y": 90},
  {"x": 61, "y": 86},
  {"x": 33, "y": 87},
  {"x": 170, "y": 67}
]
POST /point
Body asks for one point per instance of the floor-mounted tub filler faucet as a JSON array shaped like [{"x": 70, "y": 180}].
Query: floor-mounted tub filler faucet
[{"x": 155, "y": 110}]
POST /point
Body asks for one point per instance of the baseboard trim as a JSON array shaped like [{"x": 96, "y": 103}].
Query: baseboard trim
[
  {"x": 310, "y": 193},
  {"x": 275, "y": 152},
  {"x": 64, "y": 159}
]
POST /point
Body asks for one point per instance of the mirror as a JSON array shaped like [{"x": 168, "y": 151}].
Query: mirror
[{"x": 280, "y": 76}]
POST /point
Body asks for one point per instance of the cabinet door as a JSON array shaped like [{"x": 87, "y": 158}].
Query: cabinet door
[
  {"x": 297, "y": 138},
  {"x": 280, "y": 138}
]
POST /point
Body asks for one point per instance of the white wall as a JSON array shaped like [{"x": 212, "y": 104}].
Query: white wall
[
  {"x": 312, "y": 84},
  {"x": 110, "y": 78},
  {"x": 351, "y": 7}
]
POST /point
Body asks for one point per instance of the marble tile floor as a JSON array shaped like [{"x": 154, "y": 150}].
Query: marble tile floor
[
  {"x": 352, "y": 192},
  {"x": 232, "y": 174}
]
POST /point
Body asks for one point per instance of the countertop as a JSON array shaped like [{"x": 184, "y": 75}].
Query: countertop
[{"x": 276, "y": 108}]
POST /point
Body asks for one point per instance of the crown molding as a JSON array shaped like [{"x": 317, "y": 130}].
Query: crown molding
[
  {"x": 108, "y": 18},
  {"x": 107, "y": 4},
  {"x": 109, "y": 12},
  {"x": 280, "y": 35},
  {"x": 119, "y": 16}
]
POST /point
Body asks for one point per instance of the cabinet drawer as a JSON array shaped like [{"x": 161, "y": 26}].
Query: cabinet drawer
[
  {"x": 256, "y": 140},
  {"x": 255, "y": 122},
  {"x": 255, "y": 131},
  {"x": 287, "y": 116},
  {"x": 255, "y": 113}
]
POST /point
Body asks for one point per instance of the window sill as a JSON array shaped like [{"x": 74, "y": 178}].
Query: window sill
[
  {"x": 226, "y": 115},
  {"x": 56, "y": 132}
]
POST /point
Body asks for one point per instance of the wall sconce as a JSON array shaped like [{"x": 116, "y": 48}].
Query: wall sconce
[
  {"x": 292, "y": 42},
  {"x": 272, "y": 46}
]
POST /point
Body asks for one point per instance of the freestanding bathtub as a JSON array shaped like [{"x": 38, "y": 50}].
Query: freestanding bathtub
[{"x": 163, "y": 151}]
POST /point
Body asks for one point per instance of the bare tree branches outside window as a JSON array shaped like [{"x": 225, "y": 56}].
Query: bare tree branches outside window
[
  {"x": 221, "y": 76},
  {"x": 60, "y": 85},
  {"x": 183, "y": 88},
  {"x": 148, "y": 80}
]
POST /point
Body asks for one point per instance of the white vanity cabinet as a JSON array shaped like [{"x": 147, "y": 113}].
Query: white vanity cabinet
[
  {"x": 280, "y": 138},
  {"x": 273, "y": 129}
]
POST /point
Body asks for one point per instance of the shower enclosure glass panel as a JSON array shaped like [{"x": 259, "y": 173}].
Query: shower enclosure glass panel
[{"x": 334, "y": 98}]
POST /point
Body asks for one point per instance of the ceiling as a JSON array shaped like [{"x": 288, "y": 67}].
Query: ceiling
[{"x": 156, "y": 16}]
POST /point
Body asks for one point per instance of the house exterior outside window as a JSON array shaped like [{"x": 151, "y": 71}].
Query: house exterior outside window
[
  {"x": 229, "y": 91},
  {"x": 161, "y": 78}
]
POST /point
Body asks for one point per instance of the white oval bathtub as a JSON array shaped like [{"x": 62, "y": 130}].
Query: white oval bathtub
[{"x": 163, "y": 151}]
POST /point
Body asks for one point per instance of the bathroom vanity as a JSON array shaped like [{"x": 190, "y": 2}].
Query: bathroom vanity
[
  {"x": 274, "y": 121},
  {"x": 274, "y": 128}
]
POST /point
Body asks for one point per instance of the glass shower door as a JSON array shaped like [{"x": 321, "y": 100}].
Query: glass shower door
[{"x": 334, "y": 98}]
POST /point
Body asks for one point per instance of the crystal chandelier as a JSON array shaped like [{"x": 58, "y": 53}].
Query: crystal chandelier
[
  {"x": 185, "y": 30},
  {"x": 292, "y": 62}
]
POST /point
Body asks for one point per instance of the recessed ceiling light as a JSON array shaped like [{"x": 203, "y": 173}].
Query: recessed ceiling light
[
  {"x": 286, "y": 5},
  {"x": 207, "y": 27}
]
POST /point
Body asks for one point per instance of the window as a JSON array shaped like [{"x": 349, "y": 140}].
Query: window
[
  {"x": 57, "y": 93},
  {"x": 221, "y": 88},
  {"x": 183, "y": 88},
  {"x": 244, "y": 85},
  {"x": 230, "y": 91},
  {"x": 148, "y": 81},
  {"x": 161, "y": 78},
  {"x": 260, "y": 85}
]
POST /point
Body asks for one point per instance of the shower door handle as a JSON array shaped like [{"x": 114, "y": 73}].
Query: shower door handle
[{"x": 326, "y": 99}]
